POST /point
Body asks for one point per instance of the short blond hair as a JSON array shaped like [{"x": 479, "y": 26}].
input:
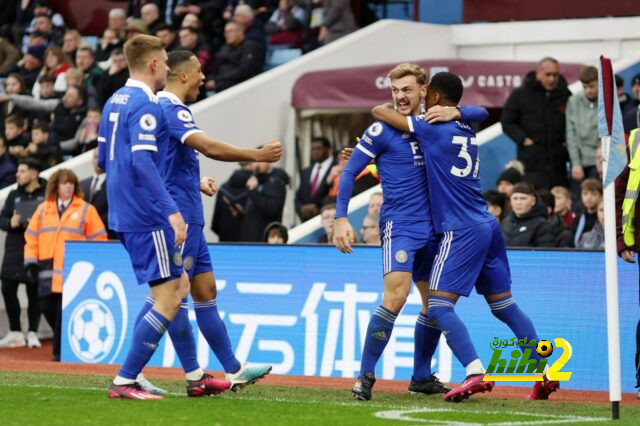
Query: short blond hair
[
  {"x": 562, "y": 191},
  {"x": 406, "y": 69},
  {"x": 138, "y": 48}
]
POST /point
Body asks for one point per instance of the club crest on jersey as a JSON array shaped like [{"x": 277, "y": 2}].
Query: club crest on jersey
[
  {"x": 187, "y": 264},
  {"x": 375, "y": 129},
  {"x": 148, "y": 122},
  {"x": 184, "y": 115},
  {"x": 401, "y": 256},
  {"x": 177, "y": 258}
]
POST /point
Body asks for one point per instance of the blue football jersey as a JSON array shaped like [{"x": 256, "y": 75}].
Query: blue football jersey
[
  {"x": 452, "y": 164},
  {"x": 400, "y": 163},
  {"x": 132, "y": 120},
  {"x": 180, "y": 166}
]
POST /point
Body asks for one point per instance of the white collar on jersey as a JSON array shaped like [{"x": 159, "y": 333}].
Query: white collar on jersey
[
  {"x": 141, "y": 85},
  {"x": 171, "y": 96}
]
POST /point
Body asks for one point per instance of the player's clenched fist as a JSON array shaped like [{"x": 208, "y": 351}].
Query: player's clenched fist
[
  {"x": 271, "y": 151},
  {"x": 342, "y": 235},
  {"x": 208, "y": 186}
]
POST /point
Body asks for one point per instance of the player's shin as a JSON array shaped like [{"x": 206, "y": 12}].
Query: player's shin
[
  {"x": 378, "y": 333},
  {"x": 426, "y": 337}
]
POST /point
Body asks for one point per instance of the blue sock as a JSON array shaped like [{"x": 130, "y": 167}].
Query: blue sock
[
  {"x": 144, "y": 343},
  {"x": 213, "y": 329},
  {"x": 426, "y": 338},
  {"x": 507, "y": 311},
  {"x": 378, "y": 333},
  {"x": 148, "y": 304},
  {"x": 182, "y": 338},
  {"x": 442, "y": 314}
]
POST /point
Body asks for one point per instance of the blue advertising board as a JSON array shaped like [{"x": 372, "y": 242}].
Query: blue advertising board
[{"x": 305, "y": 309}]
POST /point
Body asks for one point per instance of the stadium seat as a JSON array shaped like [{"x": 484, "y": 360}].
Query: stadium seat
[{"x": 277, "y": 57}]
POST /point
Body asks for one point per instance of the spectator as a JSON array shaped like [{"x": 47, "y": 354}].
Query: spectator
[
  {"x": 587, "y": 215},
  {"x": 56, "y": 64},
  {"x": 14, "y": 218},
  {"x": 562, "y": 197},
  {"x": 238, "y": 60},
  {"x": 594, "y": 239},
  {"x": 73, "y": 220},
  {"x": 150, "y": 15},
  {"x": 285, "y": 24},
  {"x": 67, "y": 118},
  {"x": 375, "y": 203},
  {"x": 47, "y": 153},
  {"x": 136, "y": 26},
  {"x": 367, "y": 179},
  {"x": 30, "y": 65},
  {"x": 507, "y": 180},
  {"x": 496, "y": 201},
  {"x": 627, "y": 105},
  {"x": 338, "y": 21},
  {"x": 371, "y": 230},
  {"x": 191, "y": 40},
  {"x": 560, "y": 231},
  {"x": 168, "y": 37},
  {"x": 229, "y": 209},
  {"x": 54, "y": 34},
  {"x": 86, "y": 61},
  {"x": 110, "y": 41},
  {"x": 533, "y": 117},
  {"x": 14, "y": 137},
  {"x": 94, "y": 189},
  {"x": 117, "y": 19},
  {"x": 192, "y": 20},
  {"x": 7, "y": 167},
  {"x": 115, "y": 77},
  {"x": 13, "y": 85},
  {"x": 9, "y": 56},
  {"x": 276, "y": 233},
  {"x": 313, "y": 186},
  {"x": 266, "y": 192},
  {"x": 35, "y": 110},
  {"x": 582, "y": 129},
  {"x": 243, "y": 15},
  {"x": 71, "y": 42},
  {"x": 327, "y": 217},
  {"x": 631, "y": 113},
  {"x": 526, "y": 225},
  {"x": 88, "y": 131},
  {"x": 7, "y": 18}
]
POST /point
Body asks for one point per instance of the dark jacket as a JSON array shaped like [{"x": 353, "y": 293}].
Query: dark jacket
[
  {"x": 13, "y": 261},
  {"x": 99, "y": 200},
  {"x": 110, "y": 83},
  {"x": 303, "y": 194},
  {"x": 7, "y": 170},
  {"x": 530, "y": 230},
  {"x": 531, "y": 111},
  {"x": 561, "y": 233},
  {"x": 66, "y": 123},
  {"x": 583, "y": 222},
  {"x": 264, "y": 204},
  {"x": 235, "y": 64},
  {"x": 229, "y": 208}
]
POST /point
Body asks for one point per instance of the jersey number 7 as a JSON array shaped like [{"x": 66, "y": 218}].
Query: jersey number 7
[
  {"x": 113, "y": 117},
  {"x": 464, "y": 154}
]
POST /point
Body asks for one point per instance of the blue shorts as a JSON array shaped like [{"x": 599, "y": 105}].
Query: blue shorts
[
  {"x": 195, "y": 254},
  {"x": 473, "y": 256},
  {"x": 408, "y": 247},
  {"x": 153, "y": 254}
]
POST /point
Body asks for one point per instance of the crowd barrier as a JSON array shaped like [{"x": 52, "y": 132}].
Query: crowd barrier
[{"x": 305, "y": 309}]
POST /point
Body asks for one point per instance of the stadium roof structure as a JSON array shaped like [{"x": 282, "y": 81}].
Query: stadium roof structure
[{"x": 486, "y": 83}]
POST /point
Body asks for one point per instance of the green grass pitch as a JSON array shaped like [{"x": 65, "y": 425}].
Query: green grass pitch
[{"x": 52, "y": 399}]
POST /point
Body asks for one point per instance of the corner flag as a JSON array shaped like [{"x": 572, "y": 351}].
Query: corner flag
[{"x": 614, "y": 160}]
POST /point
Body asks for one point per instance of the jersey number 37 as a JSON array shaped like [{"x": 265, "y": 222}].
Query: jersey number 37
[{"x": 466, "y": 156}]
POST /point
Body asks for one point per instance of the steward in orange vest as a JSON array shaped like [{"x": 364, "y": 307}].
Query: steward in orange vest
[{"x": 52, "y": 225}]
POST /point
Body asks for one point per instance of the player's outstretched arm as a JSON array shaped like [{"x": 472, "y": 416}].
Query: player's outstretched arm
[
  {"x": 224, "y": 151},
  {"x": 389, "y": 115},
  {"x": 468, "y": 114}
]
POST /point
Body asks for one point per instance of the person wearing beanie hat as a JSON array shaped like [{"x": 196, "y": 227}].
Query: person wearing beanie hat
[
  {"x": 276, "y": 233},
  {"x": 37, "y": 52},
  {"x": 30, "y": 65},
  {"x": 526, "y": 225},
  {"x": 507, "y": 179}
]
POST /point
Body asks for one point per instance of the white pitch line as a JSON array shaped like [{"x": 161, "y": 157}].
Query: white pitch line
[{"x": 404, "y": 415}]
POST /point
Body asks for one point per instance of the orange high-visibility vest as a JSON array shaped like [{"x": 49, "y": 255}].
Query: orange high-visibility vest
[{"x": 47, "y": 232}]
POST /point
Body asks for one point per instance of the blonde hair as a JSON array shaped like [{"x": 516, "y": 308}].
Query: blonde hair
[
  {"x": 138, "y": 48},
  {"x": 562, "y": 191},
  {"x": 406, "y": 69}
]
